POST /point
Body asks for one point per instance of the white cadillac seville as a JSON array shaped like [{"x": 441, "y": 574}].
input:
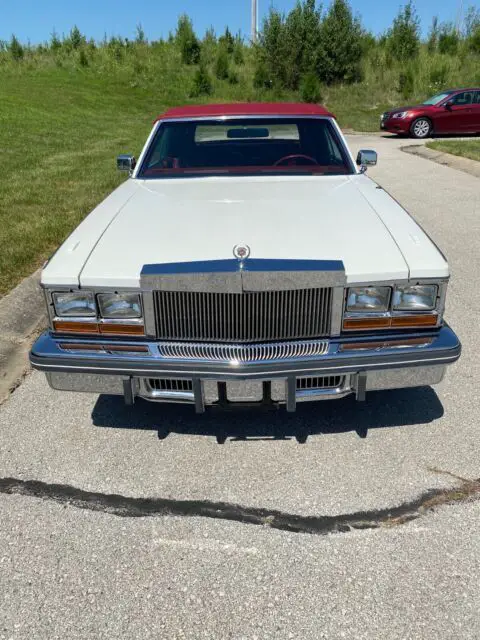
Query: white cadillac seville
[{"x": 247, "y": 259}]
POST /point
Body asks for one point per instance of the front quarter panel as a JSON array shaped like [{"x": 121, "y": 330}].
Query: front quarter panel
[
  {"x": 422, "y": 256},
  {"x": 65, "y": 267}
]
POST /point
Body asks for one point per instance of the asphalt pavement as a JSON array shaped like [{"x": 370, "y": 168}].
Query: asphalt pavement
[{"x": 108, "y": 531}]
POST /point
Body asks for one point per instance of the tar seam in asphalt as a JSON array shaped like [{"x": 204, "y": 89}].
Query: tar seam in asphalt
[{"x": 131, "y": 507}]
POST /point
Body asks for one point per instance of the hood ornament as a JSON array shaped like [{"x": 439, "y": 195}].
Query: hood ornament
[{"x": 241, "y": 252}]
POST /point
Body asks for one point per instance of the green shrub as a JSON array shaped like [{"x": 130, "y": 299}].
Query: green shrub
[
  {"x": 406, "y": 84},
  {"x": 238, "y": 57},
  {"x": 439, "y": 77},
  {"x": 448, "y": 40},
  {"x": 233, "y": 77},
  {"x": 261, "y": 77},
  {"x": 310, "y": 89},
  {"x": 202, "y": 83},
  {"x": 82, "y": 58},
  {"x": 432, "y": 41},
  {"x": 227, "y": 41},
  {"x": 221, "y": 64},
  {"x": 15, "y": 48}
]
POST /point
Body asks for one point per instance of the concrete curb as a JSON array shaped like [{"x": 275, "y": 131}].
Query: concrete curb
[
  {"x": 447, "y": 159},
  {"x": 22, "y": 317}
]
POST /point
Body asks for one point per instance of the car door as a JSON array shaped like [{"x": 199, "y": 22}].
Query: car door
[
  {"x": 476, "y": 112},
  {"x": 457, "y": 115}
]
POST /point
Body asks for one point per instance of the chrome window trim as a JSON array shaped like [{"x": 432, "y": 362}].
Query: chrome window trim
[{"x": 341, "y": 140}]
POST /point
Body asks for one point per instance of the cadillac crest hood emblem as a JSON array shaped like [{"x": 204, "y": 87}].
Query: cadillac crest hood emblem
[{"x": 241, "y": 251}]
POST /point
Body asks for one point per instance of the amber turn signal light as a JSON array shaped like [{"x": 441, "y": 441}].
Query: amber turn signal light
[
  {"x": 414, "y": 321},
  {"x": 122, "y": 329},
  {"x": 65, "y": 326},
  {"x": 356, "y": 324},
  {"x": 398, "y": 322}
]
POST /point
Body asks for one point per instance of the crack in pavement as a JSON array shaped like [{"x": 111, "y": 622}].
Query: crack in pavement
[{"x": 130, "y": 507}]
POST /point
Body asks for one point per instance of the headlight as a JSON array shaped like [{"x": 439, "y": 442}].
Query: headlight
[
  {"x": 415, "y": 298},
  {"x": 400, "y": 114},
  {"x": 77, "y": 304},
  {"x": 368, "y": 299},
  {"x": 120, "y": 305}
]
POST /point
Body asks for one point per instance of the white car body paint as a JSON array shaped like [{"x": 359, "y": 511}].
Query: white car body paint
[
  {"x": 65, "y": 266},
  {"x": 158, "y": 221}
]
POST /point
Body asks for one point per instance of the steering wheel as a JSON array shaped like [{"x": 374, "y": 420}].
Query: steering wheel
[{"x": 288, "y": 159}]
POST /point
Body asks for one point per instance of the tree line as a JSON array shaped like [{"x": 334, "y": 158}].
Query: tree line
[{"x": 302, "y": 52}]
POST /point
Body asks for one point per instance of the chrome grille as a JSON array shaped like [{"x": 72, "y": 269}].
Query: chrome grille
[
  {"x": 243, "y": 354},
  {"x": 243, "y": 317},
  {"x": 320, "y": 382}
]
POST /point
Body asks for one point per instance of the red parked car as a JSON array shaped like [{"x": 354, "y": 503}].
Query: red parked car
[{"x": 454, "y": 111}]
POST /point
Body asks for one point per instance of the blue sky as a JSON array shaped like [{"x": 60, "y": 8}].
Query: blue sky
[{"x": 34, "y": 20}]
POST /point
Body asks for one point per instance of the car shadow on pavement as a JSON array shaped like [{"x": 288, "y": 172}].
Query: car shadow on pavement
[{"x": 399, "y": 408}]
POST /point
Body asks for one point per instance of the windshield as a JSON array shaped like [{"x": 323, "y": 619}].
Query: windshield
[
  {"x": 436, "y": 99},
  {"x": 246, "y": 146}
]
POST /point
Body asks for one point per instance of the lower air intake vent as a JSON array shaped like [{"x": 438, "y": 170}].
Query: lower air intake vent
[
  {"x": 170, "y": 384},
  {"x": 323, "y": 382}
]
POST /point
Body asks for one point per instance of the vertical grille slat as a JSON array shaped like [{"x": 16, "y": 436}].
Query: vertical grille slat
[{"x": 243, "y": 317}]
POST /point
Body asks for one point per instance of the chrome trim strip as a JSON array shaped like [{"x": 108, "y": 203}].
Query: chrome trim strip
[{"x": 235, "y": 354}]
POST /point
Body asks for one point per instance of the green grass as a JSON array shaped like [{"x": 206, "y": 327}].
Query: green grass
[
  {"x": 59, "y": 135},
  {"x": 464, "y": 148}
]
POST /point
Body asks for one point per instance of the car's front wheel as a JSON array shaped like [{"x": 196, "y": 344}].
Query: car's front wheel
[{"x": 421, "y": 128}]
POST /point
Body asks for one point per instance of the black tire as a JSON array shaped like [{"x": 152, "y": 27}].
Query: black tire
[{"x": 421, "y": 128}]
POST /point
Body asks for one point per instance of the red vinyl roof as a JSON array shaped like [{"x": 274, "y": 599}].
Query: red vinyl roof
[{"x": 245, "y": 109}]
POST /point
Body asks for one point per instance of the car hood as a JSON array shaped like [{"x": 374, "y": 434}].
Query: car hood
[
  {"x": 413, "y": 107},
  {"x": 183, "y": 220}
]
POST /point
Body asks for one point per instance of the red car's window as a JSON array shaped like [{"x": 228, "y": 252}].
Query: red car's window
[
  {"x": 246, "y": 146},
  {"x": 466, "y": 97}
]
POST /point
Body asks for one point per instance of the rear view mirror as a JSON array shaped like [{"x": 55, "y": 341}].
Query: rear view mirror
[
  {"x": 366, "y": 158},
  {"x": 126, "y": 162},
  {"x": 248, "y": 132}
]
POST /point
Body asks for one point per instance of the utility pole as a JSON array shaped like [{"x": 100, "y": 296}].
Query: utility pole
[
  {"x": 460, "y": 17},
  {"x": 254, "y": 20}
]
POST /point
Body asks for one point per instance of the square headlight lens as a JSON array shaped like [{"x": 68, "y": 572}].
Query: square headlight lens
[
  {"x": 79, "y": 304},
  {"x": 368, "y": 299},
  {"x": 120, "y": 305},
  {"x": 418, "y": 297}
]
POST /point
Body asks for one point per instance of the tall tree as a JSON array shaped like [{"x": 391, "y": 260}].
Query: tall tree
[
  {"x": 404, "y": 36},
  {"x": 187, "y": 41},
  {"x": 340, "y": 46}
]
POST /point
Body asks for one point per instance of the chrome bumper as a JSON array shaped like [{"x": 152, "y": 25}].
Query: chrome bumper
[{"x": 269, "y": 372}]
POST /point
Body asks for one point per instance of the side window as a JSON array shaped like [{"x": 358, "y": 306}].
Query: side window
[
  {"x": 476, "y": 97},
  {"x": 463, "y": 98}
]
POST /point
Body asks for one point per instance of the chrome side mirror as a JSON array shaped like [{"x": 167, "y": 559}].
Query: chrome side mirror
[
  {"x": 126, "y": 162},
  {"x": 366, "y": 158}
]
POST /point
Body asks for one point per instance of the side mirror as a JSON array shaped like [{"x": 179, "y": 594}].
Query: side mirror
[
  {"x": 126, "y": 162},
  {"x": 449, "y": 104},
  {"x": 366, "y": 158}
]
